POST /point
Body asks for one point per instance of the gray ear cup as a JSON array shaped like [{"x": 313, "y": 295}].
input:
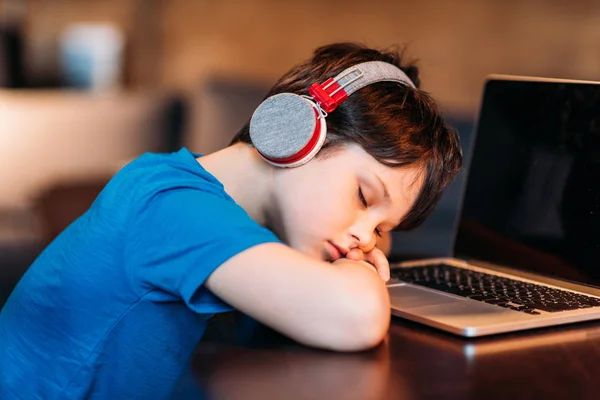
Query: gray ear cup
[{"x": 286, "y": 129}]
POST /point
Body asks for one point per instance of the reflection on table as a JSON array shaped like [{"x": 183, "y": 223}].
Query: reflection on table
[{"x": 246, "y": 360}]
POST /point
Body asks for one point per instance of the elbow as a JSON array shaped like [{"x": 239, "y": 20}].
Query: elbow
[
  {"x": 371, "y": 322},
  {"x": 363, "y": 323}
]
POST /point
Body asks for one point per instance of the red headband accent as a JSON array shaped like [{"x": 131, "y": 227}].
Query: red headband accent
[{"x": 324, "y": 98}]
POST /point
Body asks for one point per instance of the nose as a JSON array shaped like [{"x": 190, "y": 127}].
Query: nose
[{"x": 363, "y": 236}]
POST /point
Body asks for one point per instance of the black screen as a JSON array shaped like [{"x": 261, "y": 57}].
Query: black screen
[{"x": 532, "y": 199}]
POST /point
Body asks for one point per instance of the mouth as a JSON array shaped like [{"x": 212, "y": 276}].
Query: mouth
[{"x": 335, "y": 251}]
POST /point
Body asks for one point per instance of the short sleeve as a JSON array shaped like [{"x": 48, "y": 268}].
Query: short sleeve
[{"x": 180, "y": 236}]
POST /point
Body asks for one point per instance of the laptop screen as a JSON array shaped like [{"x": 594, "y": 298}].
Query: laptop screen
[{"x": 532, "y": 199}]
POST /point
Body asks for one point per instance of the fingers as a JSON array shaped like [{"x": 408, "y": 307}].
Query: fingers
[
  {"x": 356, "y": 255},
  {"x": 380, "y": 261},
  {"x": 375, "y": 258}
]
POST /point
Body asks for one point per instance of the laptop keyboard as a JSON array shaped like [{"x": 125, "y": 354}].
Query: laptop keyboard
[{"x": 504, "y": 292}]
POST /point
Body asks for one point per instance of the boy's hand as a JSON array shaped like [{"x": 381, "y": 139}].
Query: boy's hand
[{"x": 375, "y": 258}]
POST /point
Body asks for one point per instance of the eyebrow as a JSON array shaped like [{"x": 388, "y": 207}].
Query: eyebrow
[{"x": 386, "y": 194}]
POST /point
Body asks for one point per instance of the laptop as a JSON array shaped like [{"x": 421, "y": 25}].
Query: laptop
[{"x": 526, "y": 243}]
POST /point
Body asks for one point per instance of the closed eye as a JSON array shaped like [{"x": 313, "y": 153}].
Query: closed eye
[{"x": 361, "y": 196}]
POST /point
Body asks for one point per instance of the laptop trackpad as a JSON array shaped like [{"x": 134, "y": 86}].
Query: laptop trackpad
[{"x": 406, "y": 296}]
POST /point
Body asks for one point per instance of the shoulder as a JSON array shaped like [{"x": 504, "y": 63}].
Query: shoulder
[
  {"x": 162, "y": 171},
  {"x": 176, "y": 199},
  {"x": 150, "y": 176}
]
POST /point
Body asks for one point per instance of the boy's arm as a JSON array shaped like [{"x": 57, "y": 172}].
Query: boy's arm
[{"x": 341, "y": 306}]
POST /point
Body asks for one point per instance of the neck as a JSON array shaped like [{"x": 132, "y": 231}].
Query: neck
[{"x": 247, "y": 178}]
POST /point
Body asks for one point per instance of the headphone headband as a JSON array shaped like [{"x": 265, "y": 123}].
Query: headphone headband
[{"x": 335, "y": 91}]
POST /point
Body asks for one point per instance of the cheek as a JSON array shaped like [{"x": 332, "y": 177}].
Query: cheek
[{"x": 321, "y": 210}]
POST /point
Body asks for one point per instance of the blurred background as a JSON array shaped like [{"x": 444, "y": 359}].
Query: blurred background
[{"x": 88, "y": 85}]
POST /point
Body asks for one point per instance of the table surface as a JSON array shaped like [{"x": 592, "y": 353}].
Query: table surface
[{"x": 413, "y": 362}]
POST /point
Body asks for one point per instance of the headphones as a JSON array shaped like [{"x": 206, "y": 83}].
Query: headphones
[{"x": 289, "y": 129}]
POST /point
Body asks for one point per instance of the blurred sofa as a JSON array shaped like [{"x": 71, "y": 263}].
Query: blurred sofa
[{"x": 218, "y": 108}]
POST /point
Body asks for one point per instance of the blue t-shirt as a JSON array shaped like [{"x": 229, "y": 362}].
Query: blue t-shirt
[{"x": 115, "y": 305}]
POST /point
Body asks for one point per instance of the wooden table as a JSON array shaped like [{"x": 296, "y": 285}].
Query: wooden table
[{"x": 414, "y": 362}]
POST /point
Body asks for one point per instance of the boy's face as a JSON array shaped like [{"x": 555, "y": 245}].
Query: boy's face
[{"x": 318, "y": 208}]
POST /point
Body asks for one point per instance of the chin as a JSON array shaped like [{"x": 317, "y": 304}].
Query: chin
[
  {"x": 322, "y": 255},
  {"x": 307, "y": 247}
]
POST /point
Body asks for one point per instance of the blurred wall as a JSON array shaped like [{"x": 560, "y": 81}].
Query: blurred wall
[
  {"x": 179, "y": 44},
  {"x": 176, "y": 43}
]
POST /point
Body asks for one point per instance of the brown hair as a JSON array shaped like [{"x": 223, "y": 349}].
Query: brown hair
[{"x": 397, "y": 125}]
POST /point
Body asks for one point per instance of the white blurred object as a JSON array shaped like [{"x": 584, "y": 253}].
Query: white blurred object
[
  {"x": 50, "y": 136},
  {"x": 92, "y": 56}
]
